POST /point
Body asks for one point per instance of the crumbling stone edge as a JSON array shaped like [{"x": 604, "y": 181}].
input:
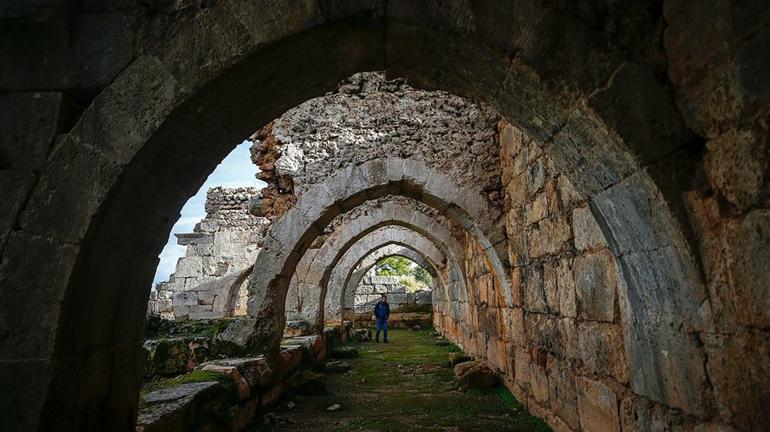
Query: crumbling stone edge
[{"x": 248, "y": 386}]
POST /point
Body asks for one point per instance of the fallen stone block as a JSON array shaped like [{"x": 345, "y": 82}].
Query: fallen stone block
[
  {"x": 456, "y": 358},
  {"x": 474, "y": 375},
  {"x": 172, "y": 356},
  {"x": 296, "y": 328},
  {"x": 182, "y": 407},
  {"x": 255, "y": 370},
  {"x": 242, "y": 387},
  {"x": 235, "y": 339},
  {"x": 289, "y": 360}
]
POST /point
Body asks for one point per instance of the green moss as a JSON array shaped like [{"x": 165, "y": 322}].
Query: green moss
[
  {"x": 379, "y": 395},
  {"x": 190, "y": 377},
  {"x": 157, "y": 329}
]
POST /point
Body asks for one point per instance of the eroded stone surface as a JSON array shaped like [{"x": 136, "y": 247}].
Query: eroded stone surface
[{"x": 211, "y": 280}]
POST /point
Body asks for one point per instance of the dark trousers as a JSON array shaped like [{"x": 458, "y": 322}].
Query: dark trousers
[{"x": 381, "y": 324}]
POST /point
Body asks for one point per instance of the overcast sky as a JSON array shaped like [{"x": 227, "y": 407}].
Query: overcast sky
[{"x": 235, "y": 170}]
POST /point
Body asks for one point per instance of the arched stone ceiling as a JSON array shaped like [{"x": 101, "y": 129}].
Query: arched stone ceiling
[{"x": 164, "y": 120}]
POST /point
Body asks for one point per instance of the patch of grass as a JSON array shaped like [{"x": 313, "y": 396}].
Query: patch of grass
[{"x": 405, "y": 386}]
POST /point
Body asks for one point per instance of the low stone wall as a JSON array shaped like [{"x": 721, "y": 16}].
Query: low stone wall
[
  {"x": 228, "y": 394},
  {"x": 422, "y": 318}
]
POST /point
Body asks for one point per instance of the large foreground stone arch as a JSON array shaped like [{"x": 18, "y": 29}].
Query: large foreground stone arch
[{"x": 185, "y": 97}]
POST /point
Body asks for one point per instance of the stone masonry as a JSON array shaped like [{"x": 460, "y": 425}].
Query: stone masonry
[
  {"x": 372, "y": 286},
  {"x": 368, "y": 117},
  {"x": 210, "y": 280},
  {"x": 655, "y": 114}
]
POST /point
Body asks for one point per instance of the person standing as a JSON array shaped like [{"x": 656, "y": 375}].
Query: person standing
[{"x": 381, "y": 315}]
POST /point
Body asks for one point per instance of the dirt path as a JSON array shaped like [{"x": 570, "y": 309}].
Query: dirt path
[{"x": 402, "y": 386}]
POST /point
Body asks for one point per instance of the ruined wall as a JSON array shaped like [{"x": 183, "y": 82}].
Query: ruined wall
[
  {"x": 211, "y": 280},
  {"x": 368, "y": 117}
]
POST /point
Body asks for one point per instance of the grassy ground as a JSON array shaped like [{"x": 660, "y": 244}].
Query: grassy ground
[{"x": 402, "y": 386}]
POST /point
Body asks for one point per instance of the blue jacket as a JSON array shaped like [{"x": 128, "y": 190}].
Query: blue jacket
[{"x": 382, "y": 311}]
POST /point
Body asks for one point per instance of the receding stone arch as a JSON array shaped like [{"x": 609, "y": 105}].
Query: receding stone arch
[
  {"x": 198, "y": 113},
  {"x": 348, "y": 292},
  {"x": 381, "y": 214},
  {"x": 385, "y": 251},
  {"x": 390, "y": 242},
  {"x": 311, "y": 270}
]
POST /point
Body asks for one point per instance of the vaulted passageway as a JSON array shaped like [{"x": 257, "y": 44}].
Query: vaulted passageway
[{"x": 607, "y": 217}]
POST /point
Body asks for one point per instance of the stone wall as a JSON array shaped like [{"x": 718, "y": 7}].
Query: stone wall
[
  {"x": 368, "y": 117},
  {"x": 562, "y": 345},
  {"x": 211, "y": 280}
]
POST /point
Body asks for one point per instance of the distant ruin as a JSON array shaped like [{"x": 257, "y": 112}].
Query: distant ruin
[{"x": 211, "y": 280}]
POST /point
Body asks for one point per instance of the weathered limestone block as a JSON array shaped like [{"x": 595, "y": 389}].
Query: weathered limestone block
[
  {"x": 597, "y": 406},
  {"x": 296, "y": 328},
  {"x": 534, "y": 293},
  {"x": 562, "y": 392},
  {"x": 172, "y": 356},
  {"x": 539, "y": 383},
  {"x": 181, "y": 407},
  {"x": 588, "y": 235},
  {"x": 255, "y": 370},
  {"x": 241, "y": 385},
  {"x": 596, "y": 286},
  {"x": 549, "y": 236},
  {"x": 748, "y": 243},
  {"x": 602, "y": 350},
  {"x": 537, "y": 210},
  {"x": 189, "y": 267},
  {"x": 551, "y": 287},
  {"x": 741, "y": 398},
  {"x": 736, "y": 163},
  {"x": 235, "y": 339},
  {"x": 186, "y": 299},
  {"x": 641, "y": 414},
  {"x": 474, "y": 374},
  {"x": 566, "y": 283}
]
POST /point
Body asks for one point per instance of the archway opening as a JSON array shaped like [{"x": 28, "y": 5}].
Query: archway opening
[
  {"x": 614, "y": 168},
  {"x": 408, "y": 289}
]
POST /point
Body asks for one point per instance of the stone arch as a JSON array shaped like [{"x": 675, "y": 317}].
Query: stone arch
[
  {"x": 233, "y": 292},
  {"x": 604, "y": 147},
  {"x": 348, "y": 292},
  {"x": 394, "y": 240},
  {"x": 308, "y": 289},
  {"x": 382, "y": 214}
]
